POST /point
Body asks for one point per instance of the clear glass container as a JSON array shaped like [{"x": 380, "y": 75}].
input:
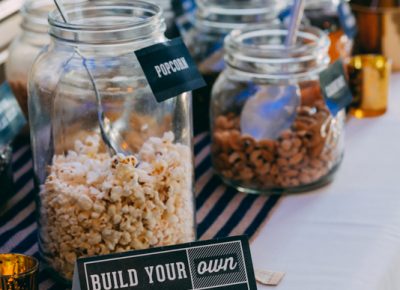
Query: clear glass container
[
  {"x": 324, "y": 15},
  {"x": 271, "y": 129},
  {"x": 26, "y": 47},
  {"x": 91, "y": 202},
  {"x": 214, "y": 19}
]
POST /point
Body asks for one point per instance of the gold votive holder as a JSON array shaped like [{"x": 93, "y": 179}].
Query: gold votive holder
[
  {"x": 378, "y": 30},
  {"x": 369, "y": 77},
  {"x": 18, "y": 272}
]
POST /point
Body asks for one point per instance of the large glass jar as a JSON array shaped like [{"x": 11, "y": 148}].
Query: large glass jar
[
  {"x": 26, "y": 47},
  {"x": 214, "y": 19},
  {"x": 271, "y": 129},
  {"x": 92, "y": 202},
  {"x": 324, "y": 15}
]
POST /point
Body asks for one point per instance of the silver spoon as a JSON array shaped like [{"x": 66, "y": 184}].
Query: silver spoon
[
  {"x": 295, "y": 20},
  {"x": 273, "y": 109},
  {"x": 114, "y": 142}
]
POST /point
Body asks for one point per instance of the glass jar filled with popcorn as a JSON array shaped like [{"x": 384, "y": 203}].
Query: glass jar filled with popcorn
[
  {"x": 91, "y": 201},
  {"x": 214, "y": 19},
  {"x": 272, "y": 131}
]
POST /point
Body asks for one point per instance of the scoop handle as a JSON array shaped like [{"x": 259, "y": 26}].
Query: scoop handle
[
  {"x": 295, "y": 20},
  {"x": 60, "y": 9}
]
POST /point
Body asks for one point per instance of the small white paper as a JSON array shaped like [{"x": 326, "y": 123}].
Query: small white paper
[{"x": 268, "y": 278}]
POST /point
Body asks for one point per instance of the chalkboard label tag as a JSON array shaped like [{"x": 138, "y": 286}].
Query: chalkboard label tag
[
  {"x": 216, "y": 264},
  {"x": 334, "y": 87},
  {"x": 169, "y": 69}
]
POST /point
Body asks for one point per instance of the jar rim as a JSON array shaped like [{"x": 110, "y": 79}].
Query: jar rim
[
  {"x": 236, "y": 40},
  {"x": 236, "y": 7},
  {"x": 56, "y": 20},
  {"x": 122, "y": 17},
  {"x": 224, "y": 17},
  {"x": 262, "y": 53},
  {"x": 310, "y": 4}
]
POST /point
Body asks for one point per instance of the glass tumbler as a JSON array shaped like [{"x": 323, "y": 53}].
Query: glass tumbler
[
  {"x": 369, "y": 78},
  {"x": 18, "y": 272}
]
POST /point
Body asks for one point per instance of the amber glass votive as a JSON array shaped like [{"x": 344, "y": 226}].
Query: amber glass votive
[
  {"x": 18, "y": 272},
  {"x": 369, "y": 77}
]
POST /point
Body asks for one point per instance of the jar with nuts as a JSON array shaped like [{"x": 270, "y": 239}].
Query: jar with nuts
[
  {"x": 92, "y": 201},
  {"x": 213, "y": 20},
  {"x": 272, "y": 132}
]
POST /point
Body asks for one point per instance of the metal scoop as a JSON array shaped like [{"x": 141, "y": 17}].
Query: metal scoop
[
  {"x": 273, "y": 108},
  {"x": 113, "y": 140}
]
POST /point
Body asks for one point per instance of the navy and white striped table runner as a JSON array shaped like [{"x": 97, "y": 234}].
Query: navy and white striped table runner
[{"x": 221, "y": 210}]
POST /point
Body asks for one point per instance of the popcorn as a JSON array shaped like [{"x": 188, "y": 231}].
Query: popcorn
[{"x": 94, "y": 204}]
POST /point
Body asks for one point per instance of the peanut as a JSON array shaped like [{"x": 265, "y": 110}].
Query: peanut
[{"x": 300, "y": 156}]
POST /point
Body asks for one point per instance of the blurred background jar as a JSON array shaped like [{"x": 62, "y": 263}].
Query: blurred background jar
[
  {"x": 324, "y": 15},
  {"x": 214, "y": 19},
  {"x": 169, "y": 16},
  {"x": 378, "y": 28},
  {"x": 271, "y": 129},
  {"x": 26, "y": 47},
  {"x": 93, "y": 202}
]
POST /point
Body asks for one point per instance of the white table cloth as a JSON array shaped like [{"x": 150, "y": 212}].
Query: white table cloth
[{"x": 345, "y": 236}]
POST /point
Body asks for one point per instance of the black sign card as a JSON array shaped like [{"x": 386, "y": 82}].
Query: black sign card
[
  {"x": 169, "y": 69},
  {"x": 218, "y": 264},
  {"x": 12, "y": 120},
  {"x": 334, "y": 87}
]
